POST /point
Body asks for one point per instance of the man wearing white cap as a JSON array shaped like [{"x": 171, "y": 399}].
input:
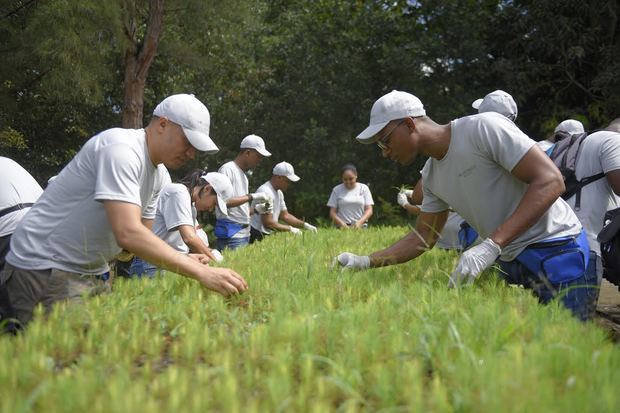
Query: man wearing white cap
[
  {"x": 501, "y": 183},
  {"x": 94, "y": 207},
  {"x": 265, "y": 219},
  {"x": 565, "y": 128},
  {"x": 497, "y": 101},
  {"x": 233, "y": 230}
]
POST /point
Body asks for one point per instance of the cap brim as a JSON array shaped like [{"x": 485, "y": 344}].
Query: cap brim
[
  {"x": 476, "y": 103},
  {"x": 264, "y": 152},
  {"x": 293, "y": 178},
  {"x": 201, "y": 141},
  {"x": 369, "y": 135}
]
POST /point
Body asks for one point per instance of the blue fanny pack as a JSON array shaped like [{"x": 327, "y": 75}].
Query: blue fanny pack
[
  {"x": 467, "y": 235},
  {"x": 225, "y": 228},
  {"x": 559, "y": 260}
]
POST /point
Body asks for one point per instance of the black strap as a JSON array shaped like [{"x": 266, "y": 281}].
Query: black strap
[
  {"x": 14, "y": 208},
  {"x": 582, "y": 183}
]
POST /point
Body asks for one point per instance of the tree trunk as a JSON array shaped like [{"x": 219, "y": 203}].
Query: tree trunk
[{"x": 139, "y": 55}]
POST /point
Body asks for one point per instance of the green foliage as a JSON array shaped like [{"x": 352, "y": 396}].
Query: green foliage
[{"x": 305, "y": 338}]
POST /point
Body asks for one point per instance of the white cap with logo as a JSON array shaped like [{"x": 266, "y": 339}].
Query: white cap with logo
[
  {"x": 570, "y": 126},
  {"x": 394, "y": 105},
  {"x": 286, "y": 169},
  {"x": 189, "y": 113},
  {"x": 255, "y": 142},
  {"x": 497, "y": 101},
  {"x": 222, "y": 187}
]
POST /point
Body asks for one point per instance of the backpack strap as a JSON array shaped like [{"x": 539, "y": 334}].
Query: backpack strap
[{"x": 582, "y": 183}]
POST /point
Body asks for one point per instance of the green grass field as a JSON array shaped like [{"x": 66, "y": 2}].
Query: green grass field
[{"x": 305, "y": 338}]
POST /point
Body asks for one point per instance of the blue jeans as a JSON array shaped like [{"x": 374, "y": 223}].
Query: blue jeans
[
  {"x": 140, "y": 268},
  {"x": 231, "y": 243},
  {"x": 578, "y": 295}
]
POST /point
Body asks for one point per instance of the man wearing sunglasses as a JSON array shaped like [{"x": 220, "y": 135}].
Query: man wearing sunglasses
[
  {"x": 502, "y": 184},
  {"x": 95, "y": 207}
]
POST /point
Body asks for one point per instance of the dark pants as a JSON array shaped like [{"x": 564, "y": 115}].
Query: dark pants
[
  {"x": 5, "y": 245},
  {"x": 256, "y": 235}
]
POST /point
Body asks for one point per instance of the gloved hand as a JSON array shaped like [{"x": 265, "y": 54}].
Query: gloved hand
[
  {"x": 295, "y": 231},
  {"x": 401, "y": 199},
  {"x": 310, "y": 227},
  {"x": 347, "y": 261},
  {"x": 474, "y": 261},
  {"x": 218, "y": 255},
  {"x": 408, "y": 193},
  {"x": 260, "y": 197},
  {"x": 264, "y": 208}
]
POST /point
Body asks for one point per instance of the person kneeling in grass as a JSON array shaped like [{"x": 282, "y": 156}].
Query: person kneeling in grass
[
  {"x": 266, "y": 217},
  {"x": 93, "y": 209},
  {"x": 502, "y": 184},
  {"x": 175, "y": 217}
]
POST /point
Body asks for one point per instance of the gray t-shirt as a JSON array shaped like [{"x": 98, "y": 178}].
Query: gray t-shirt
[
  {"x": 350, "y": 203},
  {"x": 240, "y": 214},
  {"x": 278, "y": 206},
  {"x": 174, "y": 209},
  {"x": 17, "y": 186},
  {"x": 68, "y": 228},
  {"x": 600, "y": 152},
  {"x": 474, "y": 178}
]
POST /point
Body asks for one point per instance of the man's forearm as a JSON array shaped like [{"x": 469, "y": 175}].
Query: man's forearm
[
  {"x": 293, "y": 220},
  {"x": 411, "y": 246}
]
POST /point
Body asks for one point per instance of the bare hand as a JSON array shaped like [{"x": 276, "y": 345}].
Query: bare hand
[
  {"x": 201, "y": 258},
  {"x": 223, "y": 280}
]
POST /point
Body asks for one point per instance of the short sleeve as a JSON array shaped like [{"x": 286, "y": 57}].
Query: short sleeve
[
  {"x": 502, "y": 140},
  {"x": 610, "y": 154},
  {"x": 281, "y": 200},
  {"x": 432, "y": 203},
  {"x": 367, "y": 196},
  {"x": 118, "y": 175},
  {"x": 332, "y": 202},
  {"x": 176, "y": 208}
]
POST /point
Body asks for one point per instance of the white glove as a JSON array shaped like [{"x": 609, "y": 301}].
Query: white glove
[
  {"x": 310, "y": 227},
  {"x": 474, "y": 261},
  {"x": 408, "y": 193},
  {"x": 347, "y": 261},
  {"x": 264, "y": 208},
  {"x": 295, "y": 231},
  {"x": 218, "y": 255},
  {"x": 401, "y": 198},
  {"x": 260, "y": 197}
]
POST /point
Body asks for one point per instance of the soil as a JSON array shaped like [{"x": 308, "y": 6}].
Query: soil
[{"x": 608, "y": 309}]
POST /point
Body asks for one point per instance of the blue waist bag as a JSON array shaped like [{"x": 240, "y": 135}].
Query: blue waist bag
[
  {"x": 467, "y": 235},
  {"x": 225, "y": 228},
  {"x": 559, "y": 260}
]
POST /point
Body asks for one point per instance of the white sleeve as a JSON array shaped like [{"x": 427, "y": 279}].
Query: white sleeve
[
  {"x": 431, "y": 203},
  {"x": 118, "y": 175},
  {"x": 367, "y": 196},
  {"x": 502, "y": 141},
  {"x": 332, "y": 202},
  {"x": 176, "y": 209}
]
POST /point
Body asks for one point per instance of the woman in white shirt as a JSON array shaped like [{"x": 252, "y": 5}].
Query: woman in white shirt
[
  {"x": 350, "y": 203},
  {"x": 175, "y": 217}
]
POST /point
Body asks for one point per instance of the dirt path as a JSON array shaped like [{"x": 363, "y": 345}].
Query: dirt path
[{"x": 608, "y": 309}]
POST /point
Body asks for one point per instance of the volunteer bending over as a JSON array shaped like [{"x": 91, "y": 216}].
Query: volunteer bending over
[{"x": 502, "y": 184}]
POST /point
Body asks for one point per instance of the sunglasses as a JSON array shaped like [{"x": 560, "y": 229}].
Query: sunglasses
[{"x": 383, "y": 142}]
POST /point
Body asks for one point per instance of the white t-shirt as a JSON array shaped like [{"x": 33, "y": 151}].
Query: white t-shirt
[
  {"x": 240, "y": 214},
  {"x": 350, "y": 203},
  {"x": 474, "y": 178},
  {"x": 278, "y": 206},
  {"x": 449, "y": 237},
  {"x": 545, "y": 145},
  {"x": 17, "y": 186},
  {"x": 174, "y": 208},
  {"x": 599, "y": 152},
  {"x": 68, "y": 228},
  {"x": 161, "y": 179}
]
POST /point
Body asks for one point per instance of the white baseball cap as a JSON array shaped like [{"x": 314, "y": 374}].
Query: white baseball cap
[
  {"x": 189, "y": 113},
  {"x": 286, "y": 169},
  {"x": 497, "y": 101},
  {"x": 570, "y": 126},
  {"x": 394, "y": 105},
  {"x": 255, "y": 142},
  {"x": 222, "y": 187}
]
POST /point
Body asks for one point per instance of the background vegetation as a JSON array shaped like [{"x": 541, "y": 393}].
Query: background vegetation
[
  {"x": 305, "y": 338},
  {"x": 302, "y": 74}
]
